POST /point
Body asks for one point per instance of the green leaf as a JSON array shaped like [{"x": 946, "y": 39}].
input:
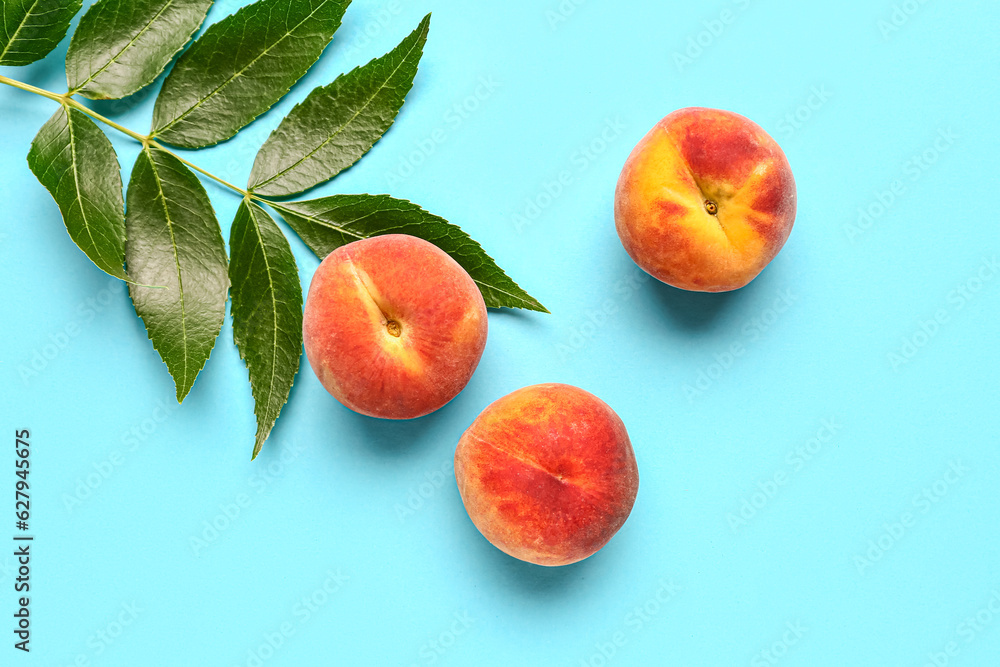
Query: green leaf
[
  {"x": 328, "y": 223},
  {"x": 174, "y": 242},
  {"x": 267, "y": 311},
  {"x": 29, "y": 29},
  {"x": 121, "y": 46},
  {"x": 240, "y": 66},
  {"x": 338, "y": 123},
  {"x": 76, "y": 163}
]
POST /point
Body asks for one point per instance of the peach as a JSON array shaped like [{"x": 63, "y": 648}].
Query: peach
[
  {"x": 547, "y": 474},
  {"x": 705, "y": 200},
  {"x": 393, "y": 326}
]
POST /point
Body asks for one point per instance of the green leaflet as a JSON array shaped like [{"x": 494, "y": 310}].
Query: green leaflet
[
  {"x": 267, "y": 311},
  {"x": 174, "y": 242},
  {"x": 29, "y": 29},
  {"x": 328, "y": 223},
  {"x": 121, "y": 46},
  {"x": 240, "y": 66},
  {"x": 338, "y": 123},
  {"x": 76, "y": 163}
]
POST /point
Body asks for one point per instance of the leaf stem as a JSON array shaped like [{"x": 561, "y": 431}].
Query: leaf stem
[
  {"x": 199, "y": 169},
  {"x": 31, "y": 89},
  {"x": 107, "y": 121},
  {"x": 145, "y": 140}
]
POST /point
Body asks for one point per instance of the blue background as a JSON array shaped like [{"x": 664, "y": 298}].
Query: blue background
[{"x": 351, "y": 545}]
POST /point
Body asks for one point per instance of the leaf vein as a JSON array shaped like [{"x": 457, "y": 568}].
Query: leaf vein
[
  {"x": 115, "y": 57},
  {"x": 236, "y": 75}
]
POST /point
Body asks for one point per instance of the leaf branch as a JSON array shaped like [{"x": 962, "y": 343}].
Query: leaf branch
[
  {"x": 68, "y": 100},
  {"x": 165, "y": 230}
]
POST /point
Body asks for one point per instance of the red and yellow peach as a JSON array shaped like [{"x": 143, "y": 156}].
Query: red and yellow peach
[
  {"x": 547, "y": 474},
  {"x": 705, "y": 200},
  {"x": 393, "y": 326}
]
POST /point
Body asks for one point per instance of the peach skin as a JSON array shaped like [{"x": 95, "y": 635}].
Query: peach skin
[
  {"x": 705, "y": 200},
  {"x": 547, "y": 474},
  {"x": 393, "y": 326}
]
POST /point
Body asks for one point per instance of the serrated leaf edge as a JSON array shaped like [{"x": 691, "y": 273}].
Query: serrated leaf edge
[
  {"x": 76, "y": 174},
  {"x": 113, "y": 59},
  {"x": 159, "y": 131},
  {"x": 181, "y": 395},
  {"x": 262, "y": 435},
  {"x": 177, "y": 266},
  {"x": 532, "y": 302},
  {"x": 424, "y": 28},
  {"x": 13, "y": 38},
  {"x": 68, "y": 111}
]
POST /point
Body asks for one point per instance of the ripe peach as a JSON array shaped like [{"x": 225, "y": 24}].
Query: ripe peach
[
  {"x": 393, "y": 326},
  {"x": 547, "y": 474},
  {"x": 705, "y": 200}
]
